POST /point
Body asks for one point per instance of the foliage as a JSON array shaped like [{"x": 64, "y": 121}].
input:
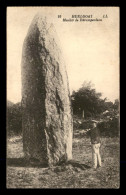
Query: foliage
[
  {"x": 14, "y": 119},
  {"x": 88, "y": 100},
  {"x": 116, "y": 105},
  {"x": 108, "y": 124},
  {"x": 109, "y": 128}
]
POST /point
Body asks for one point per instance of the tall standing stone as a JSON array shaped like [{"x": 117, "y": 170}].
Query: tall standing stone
[{"x": 46, "y": 106}]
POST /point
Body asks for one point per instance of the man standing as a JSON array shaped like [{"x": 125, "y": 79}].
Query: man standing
[{"x": 95, "y": 143}]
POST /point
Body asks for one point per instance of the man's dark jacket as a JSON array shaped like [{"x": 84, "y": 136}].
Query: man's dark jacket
[{"x": 95, "y": 136}]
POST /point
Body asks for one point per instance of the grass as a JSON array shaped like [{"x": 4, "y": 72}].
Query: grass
[{"x": 66, "y": 176}]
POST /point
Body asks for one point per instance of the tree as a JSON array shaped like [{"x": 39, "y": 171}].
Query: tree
[
  {"x": 86, "y": 100},
  {"x": 109, "y": 105},
  {"x": 116, "y": 105}
]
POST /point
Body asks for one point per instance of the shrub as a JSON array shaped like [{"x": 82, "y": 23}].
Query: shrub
[
  {"x": 109, "y": 128},
  {"x": 14, "y": 119}
]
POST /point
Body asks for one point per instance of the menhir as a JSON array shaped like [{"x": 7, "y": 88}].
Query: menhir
[{"x": 46, "y": 106}]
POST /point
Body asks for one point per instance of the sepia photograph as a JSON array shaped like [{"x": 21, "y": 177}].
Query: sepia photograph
[{"x": 63, "y": 98}]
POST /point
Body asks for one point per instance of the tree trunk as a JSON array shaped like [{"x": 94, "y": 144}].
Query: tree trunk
[{"x": 83, "y": 114}]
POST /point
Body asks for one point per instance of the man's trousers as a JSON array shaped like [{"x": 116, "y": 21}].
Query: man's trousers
[{"x": 96, "y": 158}]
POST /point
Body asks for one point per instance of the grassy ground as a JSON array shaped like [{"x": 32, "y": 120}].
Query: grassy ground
[{"x": 66, "y": 176}]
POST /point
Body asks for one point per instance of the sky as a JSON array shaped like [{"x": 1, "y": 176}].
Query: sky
[{"x": 90, "y": 49}]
